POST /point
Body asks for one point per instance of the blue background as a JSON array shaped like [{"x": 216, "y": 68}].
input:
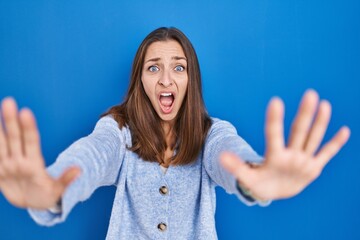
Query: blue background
[{"x": 70, "y": 60}]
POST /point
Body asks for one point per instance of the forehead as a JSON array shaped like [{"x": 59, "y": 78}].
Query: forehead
[{"x": 164, "y": 49}]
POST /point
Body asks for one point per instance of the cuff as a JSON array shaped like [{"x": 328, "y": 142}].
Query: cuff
[{"x": 247, "y": 196}]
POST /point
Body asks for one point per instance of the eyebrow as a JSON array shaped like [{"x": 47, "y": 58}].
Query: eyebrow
[
  {"x": 179, "y": 58},
  {"x": 174, "y": 58}
]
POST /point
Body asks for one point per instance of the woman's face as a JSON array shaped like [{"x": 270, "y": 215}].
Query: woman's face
[{"x": 165, "y": 78}]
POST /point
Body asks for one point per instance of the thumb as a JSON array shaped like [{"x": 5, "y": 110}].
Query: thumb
[
  {"x": 69, "y": 176},
  {"x": 237, "y": 167}
]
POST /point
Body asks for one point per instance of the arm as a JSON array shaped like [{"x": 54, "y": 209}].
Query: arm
[
  {"x": 99, "y": 156},
  {"x": 24, "y": 180},
  {"x": 223, "y": 137},
  {"x": 289, "y": 168}
]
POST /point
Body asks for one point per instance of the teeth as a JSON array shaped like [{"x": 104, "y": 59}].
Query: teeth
[{"x": 166, "y": 94}]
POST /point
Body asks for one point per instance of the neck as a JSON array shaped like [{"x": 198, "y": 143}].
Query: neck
[{"x": 169, "y": 133}]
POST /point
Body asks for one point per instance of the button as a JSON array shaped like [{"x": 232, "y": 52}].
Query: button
[
  {"x": 162, "y": 227},
  {"x": 163, "y": 190}
]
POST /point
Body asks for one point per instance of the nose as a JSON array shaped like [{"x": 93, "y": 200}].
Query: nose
[{"x": 165, "y": 79}]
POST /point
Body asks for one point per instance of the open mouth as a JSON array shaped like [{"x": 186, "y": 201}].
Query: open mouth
[{"x": 166, "y": 100}]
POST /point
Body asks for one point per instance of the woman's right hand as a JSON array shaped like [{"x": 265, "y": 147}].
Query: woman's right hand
[{"x": 24, "y": 180}]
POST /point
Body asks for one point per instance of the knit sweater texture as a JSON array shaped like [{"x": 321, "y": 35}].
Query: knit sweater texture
[{"x": 186, "y": 210}]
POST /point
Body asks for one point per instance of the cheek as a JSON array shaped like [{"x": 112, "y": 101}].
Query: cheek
[
  {"x": 184, "y": 85},
  {"x": 181, "y": 82},
  {"x": 182, "y": 91},
  {"x": 149, "y": 89},
  {"x": 145, "y": 83}
]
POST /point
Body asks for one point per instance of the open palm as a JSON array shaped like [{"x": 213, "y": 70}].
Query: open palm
[
  {"x": 24, "y": 180},
  {"x": 288, "y": 168}
]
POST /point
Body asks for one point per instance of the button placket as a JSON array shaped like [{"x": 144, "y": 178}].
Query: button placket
[{"x": 163, "y": 201}]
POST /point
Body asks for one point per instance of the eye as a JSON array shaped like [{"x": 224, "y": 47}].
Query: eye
[
  {"x": 153, "y": 69},
  {"x": 179, "y": 68}
]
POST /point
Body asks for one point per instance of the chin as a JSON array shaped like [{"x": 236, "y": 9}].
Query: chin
[{"x": 167, "y": 118}]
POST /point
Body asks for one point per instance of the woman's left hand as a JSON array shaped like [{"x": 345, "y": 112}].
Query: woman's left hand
[{"x": 288, "y": 169}]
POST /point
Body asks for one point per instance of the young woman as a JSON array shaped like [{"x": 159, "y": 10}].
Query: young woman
[{"x": 164, "y": 153}]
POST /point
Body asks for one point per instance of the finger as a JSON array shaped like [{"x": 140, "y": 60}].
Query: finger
[
  {"x": 3, "y": 144},
  {"x": 303, "y": 120},
  {"x": 68, "y": 177},
  {"x": 319, "y": 128},
  {"x": 333, "y": 146},
  {"x": 12, "y": 127},
  {"x": 274, "y": 126},
  {"x": 31, "y": 135},
  {"x": 238, "y": 168}
]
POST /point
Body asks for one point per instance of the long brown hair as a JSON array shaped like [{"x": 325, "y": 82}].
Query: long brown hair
[{"x": 192, "y": 121}]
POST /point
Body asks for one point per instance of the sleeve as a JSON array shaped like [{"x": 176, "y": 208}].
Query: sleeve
[
  {"x": 223, "y": 137},
  {"x": 99, "y": 156}
]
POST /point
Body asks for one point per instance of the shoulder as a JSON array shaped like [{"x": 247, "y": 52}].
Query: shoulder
[
  {"x": 218, "y": 125},
  {"x": 107, "y": 122},
  {"x": 109, "y": 126}
]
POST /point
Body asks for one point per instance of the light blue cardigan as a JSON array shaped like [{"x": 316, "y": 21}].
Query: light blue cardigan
[{"x": 187, "y": 210}]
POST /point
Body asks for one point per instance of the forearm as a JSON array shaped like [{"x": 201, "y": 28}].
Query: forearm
[
  {"x": 99, "y": 157},
  {"x": 224, "y": 138}
]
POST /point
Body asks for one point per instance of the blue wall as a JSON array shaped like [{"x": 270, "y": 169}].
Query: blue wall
[{"x": 70, "y": 60}]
